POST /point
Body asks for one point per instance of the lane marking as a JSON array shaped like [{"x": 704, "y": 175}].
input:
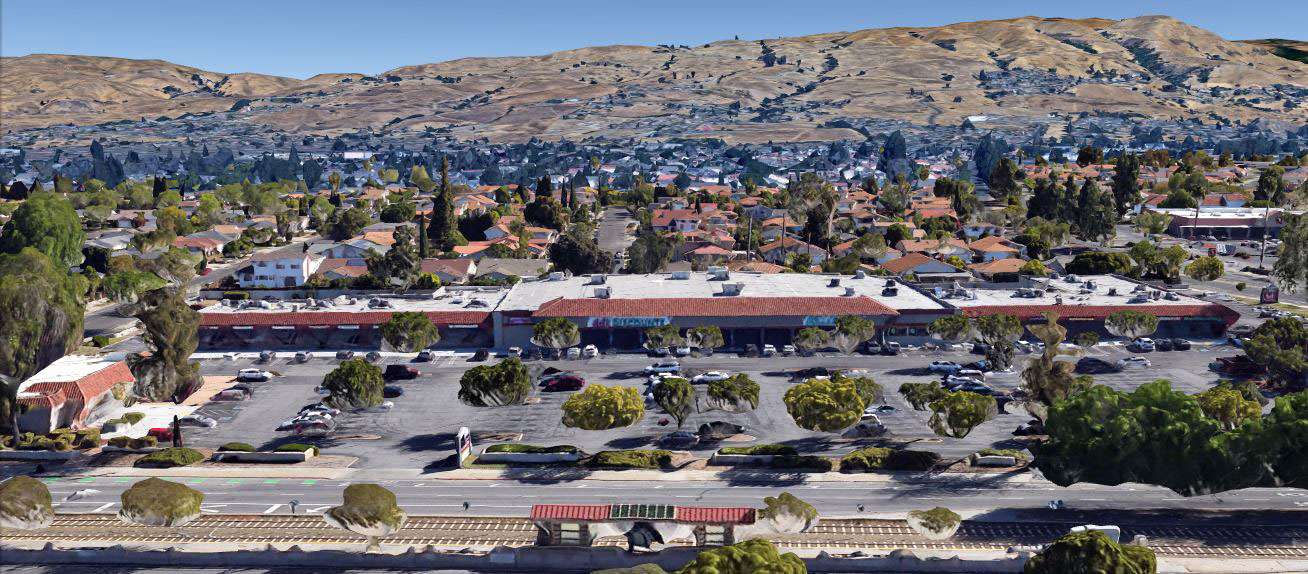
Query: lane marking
[{"x": 273, "y": 508}]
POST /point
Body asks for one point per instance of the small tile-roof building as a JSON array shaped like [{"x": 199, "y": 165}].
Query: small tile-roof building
[
  {"x": 582, "y": 524},
  {"x": 73, "y": 392}
]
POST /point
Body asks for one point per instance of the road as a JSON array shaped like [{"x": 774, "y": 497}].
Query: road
[
  {"x": 995, "y": 495},
  {"x": 612, "y": 233}
]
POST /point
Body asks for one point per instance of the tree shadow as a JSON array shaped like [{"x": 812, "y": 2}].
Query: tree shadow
[
  {"x": 545, "y": 475},
  {"x": 624, "y": 375},
  {"x": 747, "y": 476},
  {"x": 630, "y": 442},
  {"x": 428, "y": 442},
  {"x": 449, "y": 462},
  {"x": 323, "y": 442}
]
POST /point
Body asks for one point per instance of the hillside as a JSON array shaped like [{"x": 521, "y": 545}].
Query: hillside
[{"x": 801, "y": 88}]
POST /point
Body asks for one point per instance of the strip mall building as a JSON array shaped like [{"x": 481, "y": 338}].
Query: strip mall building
[{"x": 613, "y": 311}]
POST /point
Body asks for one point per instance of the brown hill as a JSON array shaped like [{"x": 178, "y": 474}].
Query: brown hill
[{"x": 800, "y": 88}]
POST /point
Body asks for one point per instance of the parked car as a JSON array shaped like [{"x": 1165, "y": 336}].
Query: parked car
[
  {"x": 788, "y": 350},
  {"x": 769, "y": 350},
  {"x": 302, "y": 357},
  {"x": 682, "y": 351},
  {"x": 890, "y": 348},
  {"x": 1163, "y": 345},
  {"x": 1034, "y": 427},
  {"x": 1141, "y": 345},
  {"x": 882, "y": 409},
  {"x": 372, "y": 356},
  {"x": 716, "y": 430},
  {"x": 978, "y": 388},
  {"x": 872, "y": 348},
  {"x": 977, "y": 374},
  {"x": 809, "y": 373},
  {"x": 515, "y": 351},
  {"x": 709, "y": 377},
  {"x": 751, "y": 350},
  {"x": 664, "y": 367},
  {"x": 944, "y": 367},
  {"x": 589, "y": 352},
  {"x": 679, "y": 439},
  {"x": 658, "y": 352},
  {"x": 425, "y": 356},
  {"x": 197, "y": 420},
  {"x": 1133, "y": 362},
  {"x": 564, "y": 383},
  {"x": 1180, "y": 344},
  {"x": 343, "y": 355},
  {"x": 980, "y": 348},
  {"x": 480, "y": 354},
  {"x": 1095, "y": 366},
  {"x": 320, "y": 409},
  {"x": 252, "y": 375},
  {"x": 161, "y": 434},
  {"x": 267, "y": 356},
  {"x": 392, "y": 392},
  {"x": 399, "y": 372}
]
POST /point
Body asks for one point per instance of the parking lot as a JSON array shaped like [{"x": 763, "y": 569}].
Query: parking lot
[{"x": 418, "y": 432}]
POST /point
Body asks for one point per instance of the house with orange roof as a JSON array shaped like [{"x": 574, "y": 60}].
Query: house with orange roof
[
  {"x": 917, "y": 263},
  {"x": 779, "y": 251},
  {"x": 74, "y": 392},
  {"x": 996, "y": 247}
]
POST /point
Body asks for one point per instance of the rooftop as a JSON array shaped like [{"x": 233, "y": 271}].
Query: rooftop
[
  {"x": 445, "y": 300},
  {"x": 1089, "y": 296},
  {"x": 74, "y": 367}
]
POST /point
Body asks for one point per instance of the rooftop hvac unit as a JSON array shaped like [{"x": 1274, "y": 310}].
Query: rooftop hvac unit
[
  {"x": 859, "y": 274},
  {"x": 598, "y": 279},
  {"x": 849, "y": 291},
  {"x": 732, "y": 289},
  {"x": 718, "y": 274},
  {"x": 681, "y": 275},
  {"x": 890, "y": 290},
  {"x": 835, "y": 282},
  {"x": 602, "y": 293},
  {"x": 556, "y": 276}
]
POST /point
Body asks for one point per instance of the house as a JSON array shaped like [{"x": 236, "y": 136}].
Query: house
[
  {"x": 917, "y": 263},
  {"x": 501, "y": 269},
  {"x": 331, "y": 269},
  {"x": 289, "y": 267},
  {"x": 995, "y": 247},
  {"x": 975, "y": 230},
  {"x": 780, "y": 251},
  {"x": 132, "y": 218},
  {"x": 113, "y": 240},
  {"x": 946, "y": 248},
  {"x": 73, "y": 392},
  {"x": 755, "y": 267},
  {"x": 199, "y": 245},
  {"x": 450, "y": 271},
  {"x": 998, "y": 269},
  {"x": 708, "y": 255}
]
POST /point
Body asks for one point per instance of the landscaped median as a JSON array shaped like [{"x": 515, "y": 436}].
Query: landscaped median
[
  {"x": 284, "y": 454},
  {"x": 529, "y": 454},
  {"x": 773, "y": 456}
]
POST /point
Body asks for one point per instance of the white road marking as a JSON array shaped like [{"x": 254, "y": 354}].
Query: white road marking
[
  {"x": 103, "y": 507},
  {"x": 273, "y": 508}
]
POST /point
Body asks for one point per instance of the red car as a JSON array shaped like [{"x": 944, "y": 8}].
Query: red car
[
  {"x": 162, "y": 434},
  {"x": 564, "y": 383}
]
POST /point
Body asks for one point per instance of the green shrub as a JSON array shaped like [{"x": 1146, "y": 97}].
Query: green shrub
[
  {"x": 237, "y": 447},
  {"x": 762, "y": 449},
  {"x": 652, "y": 459},
  {"x": 1087, "y": 339},
  {"x": 120, "y": 442},
  {"x": 101, "y": 340},
  {"x": 532, "y": 449},
  {"x": 236, "y": 295},
  {"x": 806, "y": 462},
  {"x": 297, "y": 447},
  {"x": 864, "y": 460},
  {"x": 169, "y": 458},
  {"x": 1240, "y": 286},
  {"x": 144, "y": 442},
  {"x": 133, "y": 417}
]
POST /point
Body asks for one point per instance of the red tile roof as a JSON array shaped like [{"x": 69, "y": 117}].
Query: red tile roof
[
  {"x": 727, "y": 306},
  {"x": 570, "y": 511},
  {"x": 309, "y": 318},
  {"x": 1025, "y": 312},
  {"x": 82, "y": 392},
  {"x": 697, "y": 514}
]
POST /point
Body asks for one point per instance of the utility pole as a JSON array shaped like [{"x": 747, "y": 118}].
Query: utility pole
[{"x": 1262, "y": 243}]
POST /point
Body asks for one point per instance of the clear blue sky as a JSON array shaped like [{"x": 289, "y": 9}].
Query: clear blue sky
[{"x": 302, "y": 38}]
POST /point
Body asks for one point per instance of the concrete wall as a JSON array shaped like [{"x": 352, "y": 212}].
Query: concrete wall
[
  {"x": 262, "y": 457},
  {"x": 528, "y": 457},
  {"x": 734, "y": 459}
]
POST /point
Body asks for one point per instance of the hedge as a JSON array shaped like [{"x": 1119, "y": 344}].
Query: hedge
[
  {"x": 762, "y": 449},
  {"x": 60, "y": 439},
  {"x": 101, "y": 340},
  {"x": 128, "y": 418},
  {"x": 236, "y": 295},
  {"x": 237, "y": 447},
  {"x": 877, "y": 458},
  {"x": 297, "y": 447},
  {"x": 1017, "y": 454},
  {"x": 532, "y": 449},
  {"x": 807, "y": 462},
  {"x": 170, "y": 457},
  {"x": 134, "y": 443},
  {"x": 650, "y": 459}
]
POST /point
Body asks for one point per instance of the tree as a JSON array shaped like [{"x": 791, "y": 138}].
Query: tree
[
  {"x": 1096, "y": 214},
  {"x": 1089, "y": 155},
  {"x": 1126, "y": 183},
  {"x": 343, "y": 224},
  {"x": 1099, "y": 263},
  {"x": 398, "y": 212},
  {"x": 175, "y": 265},
  {"x": 41, "y": 310},
  {"x": 736, "y": 393},
  {"x": 356, "y": 383},
  {"x": 1152, "y": 222},
  {"x": 127, "y": 286},
  {"x": 505, "y": 383},
  {"x": 783, "y": 514},
  {"x": 157, "y": 502},
  {"x": 171, "y": 336},
  {"x": 443, "y": 227},
  {"x": 49, "y": 224},
  {"x": 1206, "y": 268},
  {"x": 952, "y": 328},
  {"x": 1034, "y": 268},
  {"x": 1091, "y": 551},
  {"x": 998, "y": 331},
  {"x": 1228, "y": 406},
  {"x": 25, "y": 504},
  {"x": 676, "y": 397},
  {"x": 1045, "y": 379},
  {"x": 1004, "y": 179},
  {"x": 1279, "y": 346},
  {"x": 555, "y": 333},
  {"x": 663, "y": 337},
  {"x": 920, "y": 395},
  {"x": 579, "y": 255},
  {"x": 599, "y": 407},
  {"x": 1291, "y": 268},
  {"x": 956, "y": 414},
  {"x": 812, "y": 339},
  {"x": 1271, "y": 185},
  {"x": 705, "y": 338},
  {"x": 650, "y": 252},
  {"x": 852, "y": 331},
  {"x": 409, "y": 331},
  {"x": 939, "y": 523},
  {"x": 400, "y": 266},
  {"x": 545, "y": 211},
  {"x": 824, "y": 405},
  {"x": 749, "y": 557},
  {"x": 368, "y": 509},
  {"x": 1131, "y": 324}
]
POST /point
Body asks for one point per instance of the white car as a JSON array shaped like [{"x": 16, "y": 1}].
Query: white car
[
  {"x": 682, "y": 351},
  {"x": 194, "y": 420},
  {"x": 769, "y": 350},
  {"x": 1141, "y": 345},
  {"x": 253, "y": 375},
  {"x": 1130, "y": 362},
  {"x": 664, "y": 367},
  {"x": 710, "y": 377},
  {"x": 590, "y": 352},
  {"x": 944, "y": 367},
  {"x": 789, "y": 350},
  {"x": 573, "y": 353}
]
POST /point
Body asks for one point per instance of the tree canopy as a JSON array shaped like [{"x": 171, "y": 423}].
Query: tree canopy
[
  {"x": 41, "y": 310},
  {"x": 749, "y": 557},
  {"x": 828, "y": 405},
  {"x": 47, "y": 223},
  {"x": 555, "y": 333},
  {"x": 601, "y": 407},
  {"x": 999, "y": 331},
  {"x": 1131, "y": 324},
  {"x": 956, "y": 414},
  {"x": 734, "y": 394},
  {"x": 1091, "y": 551},
  {"x": 367, "y": 509},
  {"x": 409, "y": 331},
  {"x": 356, "y": 383},
  {"x": 504, "y": 383},
  {"x": 676, "y": 397},
  {"x": 171, "y": 336}
]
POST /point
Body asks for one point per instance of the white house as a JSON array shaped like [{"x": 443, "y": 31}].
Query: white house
[{"x": 281, "y": 268}]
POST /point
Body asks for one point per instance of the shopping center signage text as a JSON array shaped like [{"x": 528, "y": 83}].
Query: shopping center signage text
[{"x": 626, "y": 322}]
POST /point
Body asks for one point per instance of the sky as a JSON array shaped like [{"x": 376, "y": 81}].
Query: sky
[{"x": 302, "y": 38}]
